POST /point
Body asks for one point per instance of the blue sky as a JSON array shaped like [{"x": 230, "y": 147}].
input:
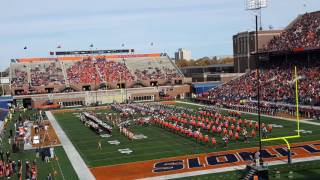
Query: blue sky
[{"x": 203, "y": 26}]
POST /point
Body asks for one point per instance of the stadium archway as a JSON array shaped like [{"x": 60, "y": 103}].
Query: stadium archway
[
  {"x": 153, "y": 83},
  {"x": 103, "y": 86},
  {"x": 138, "y": 85},
  {"x": 68, "y": 89},
  {"x": 19, "y": 92},
  {"x": 86, "y": 88},
  {"x": 167, "y": 83}
]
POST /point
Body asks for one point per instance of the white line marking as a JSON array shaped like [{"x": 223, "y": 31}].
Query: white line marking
[{"x": 77, "y": 162}]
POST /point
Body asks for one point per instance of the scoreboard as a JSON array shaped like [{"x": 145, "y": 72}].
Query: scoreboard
[{"x": 112, "y": 51}]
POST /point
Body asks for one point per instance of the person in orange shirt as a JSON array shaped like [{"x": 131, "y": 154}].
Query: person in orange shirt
[
  {"x": 236, "y": 136},
  {"x": 201, "y": 138},
  {"x": 214, "y": 142},
  {"x": 269, "y": 128},
  {"x": 253, "y": 133},
  {"x": 251, "y": 124},
  {"x": 238, "y": 129},
  {"x": 232, "y": 127},
  {"x": 225, "y": 131},
  {"x": 256, "y": 125},
  {"x": 213, "y": 129},
  {"x": 230, "y": 134},
  {"x": 206, "y": 139}
]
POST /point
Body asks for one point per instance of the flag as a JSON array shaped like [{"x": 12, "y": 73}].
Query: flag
[
  {"x": 25, "y": 47},
  {"x": 91, "y": 45}
]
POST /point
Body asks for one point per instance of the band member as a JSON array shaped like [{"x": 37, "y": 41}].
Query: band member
[
  {"x": 213, "y": 142},
  {"x": 236, "y": 136},
  {"x": 99, "y": 145},
  {"x": 251, "y": 124},
  {"x": 225, "y": 131},
  {"x": 245, "y": 135},
  {"x": 213, "y": 129},
  {"x": 253, "y": 133},
  {"x": 230, "y": 134},
  {"x": 225, "y": 140},
  {"x": 238, "y": 128},
  {"x": 232, "y": 127},
  {"x": 256, "y": 125},
  {"x": 264, "y": 132},
  {"x": 269, "y": 128},
  {"x": 206, "y": 139}
]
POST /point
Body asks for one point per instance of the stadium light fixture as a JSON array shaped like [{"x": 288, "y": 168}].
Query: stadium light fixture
[{"x": 256, "y": 5}]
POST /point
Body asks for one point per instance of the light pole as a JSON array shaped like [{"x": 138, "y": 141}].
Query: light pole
[
  {"x": 125, "y": 81},
  {"x": 95, "y": 75},
  {"x": 257, "y": 5},
  {"x": 258, "y": 82}
]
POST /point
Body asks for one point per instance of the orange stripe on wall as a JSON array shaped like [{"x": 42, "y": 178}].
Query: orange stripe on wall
[{"x": 79, "y": 58}]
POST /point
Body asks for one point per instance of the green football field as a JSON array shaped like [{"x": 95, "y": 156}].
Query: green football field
[{"x": 160, "y": 143}]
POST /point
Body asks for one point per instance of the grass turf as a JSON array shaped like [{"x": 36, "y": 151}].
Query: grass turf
[
  {"x": 160, "y": 143},
  {"x": 61, "y": 165}
]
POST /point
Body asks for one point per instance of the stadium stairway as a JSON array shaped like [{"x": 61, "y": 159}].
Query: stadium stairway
[
  {"x": 250, "y": 174},
  {"x": 100, "y": 75},
  {"x": 29, "y": 73},
  {"x": 176, "y": 67},
  {"x": 64, "y": 72}
]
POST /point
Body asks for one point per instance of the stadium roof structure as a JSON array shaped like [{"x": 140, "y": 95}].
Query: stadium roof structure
[{"x": 208, "y": 66}]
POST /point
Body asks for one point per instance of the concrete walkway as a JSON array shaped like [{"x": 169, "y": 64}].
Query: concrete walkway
[
  {"x": 282, "y": 118},
  {"x": 77, "y": 162}
]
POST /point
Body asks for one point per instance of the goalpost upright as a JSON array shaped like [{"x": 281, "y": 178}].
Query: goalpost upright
[{"x": 285, "y": 138}]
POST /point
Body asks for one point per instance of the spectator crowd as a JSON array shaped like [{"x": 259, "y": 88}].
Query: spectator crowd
[
  {"x": 277, "y": 85},
  {"x": 304, "y": 33},
  {"x": 45, "y": 74}
]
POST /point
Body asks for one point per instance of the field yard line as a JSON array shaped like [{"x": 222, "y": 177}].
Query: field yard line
[
  {"x": 225, "y": 169},
  {"x": 282, "y": 118},
  {"x": 61, "y": 170},
  {"x": 77, "y": 162}
]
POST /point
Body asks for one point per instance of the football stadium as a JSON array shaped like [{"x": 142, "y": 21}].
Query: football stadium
[{"x": 123, "y": 114}]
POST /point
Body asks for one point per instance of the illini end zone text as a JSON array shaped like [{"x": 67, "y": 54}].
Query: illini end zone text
[{"x": 235, "y": 157}]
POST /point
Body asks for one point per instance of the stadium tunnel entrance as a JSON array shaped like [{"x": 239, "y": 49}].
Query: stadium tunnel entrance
[
  {"x": 27, "y": 102},
  {"x": 86, "y": 88}
]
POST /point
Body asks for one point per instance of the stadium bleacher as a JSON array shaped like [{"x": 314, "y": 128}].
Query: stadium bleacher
[
  {"x": 277, "y": 85},
  {"x": 33, "y": 75},
  {"x": 46, "y": 74},
  {"x": 302, "y": 34}
]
